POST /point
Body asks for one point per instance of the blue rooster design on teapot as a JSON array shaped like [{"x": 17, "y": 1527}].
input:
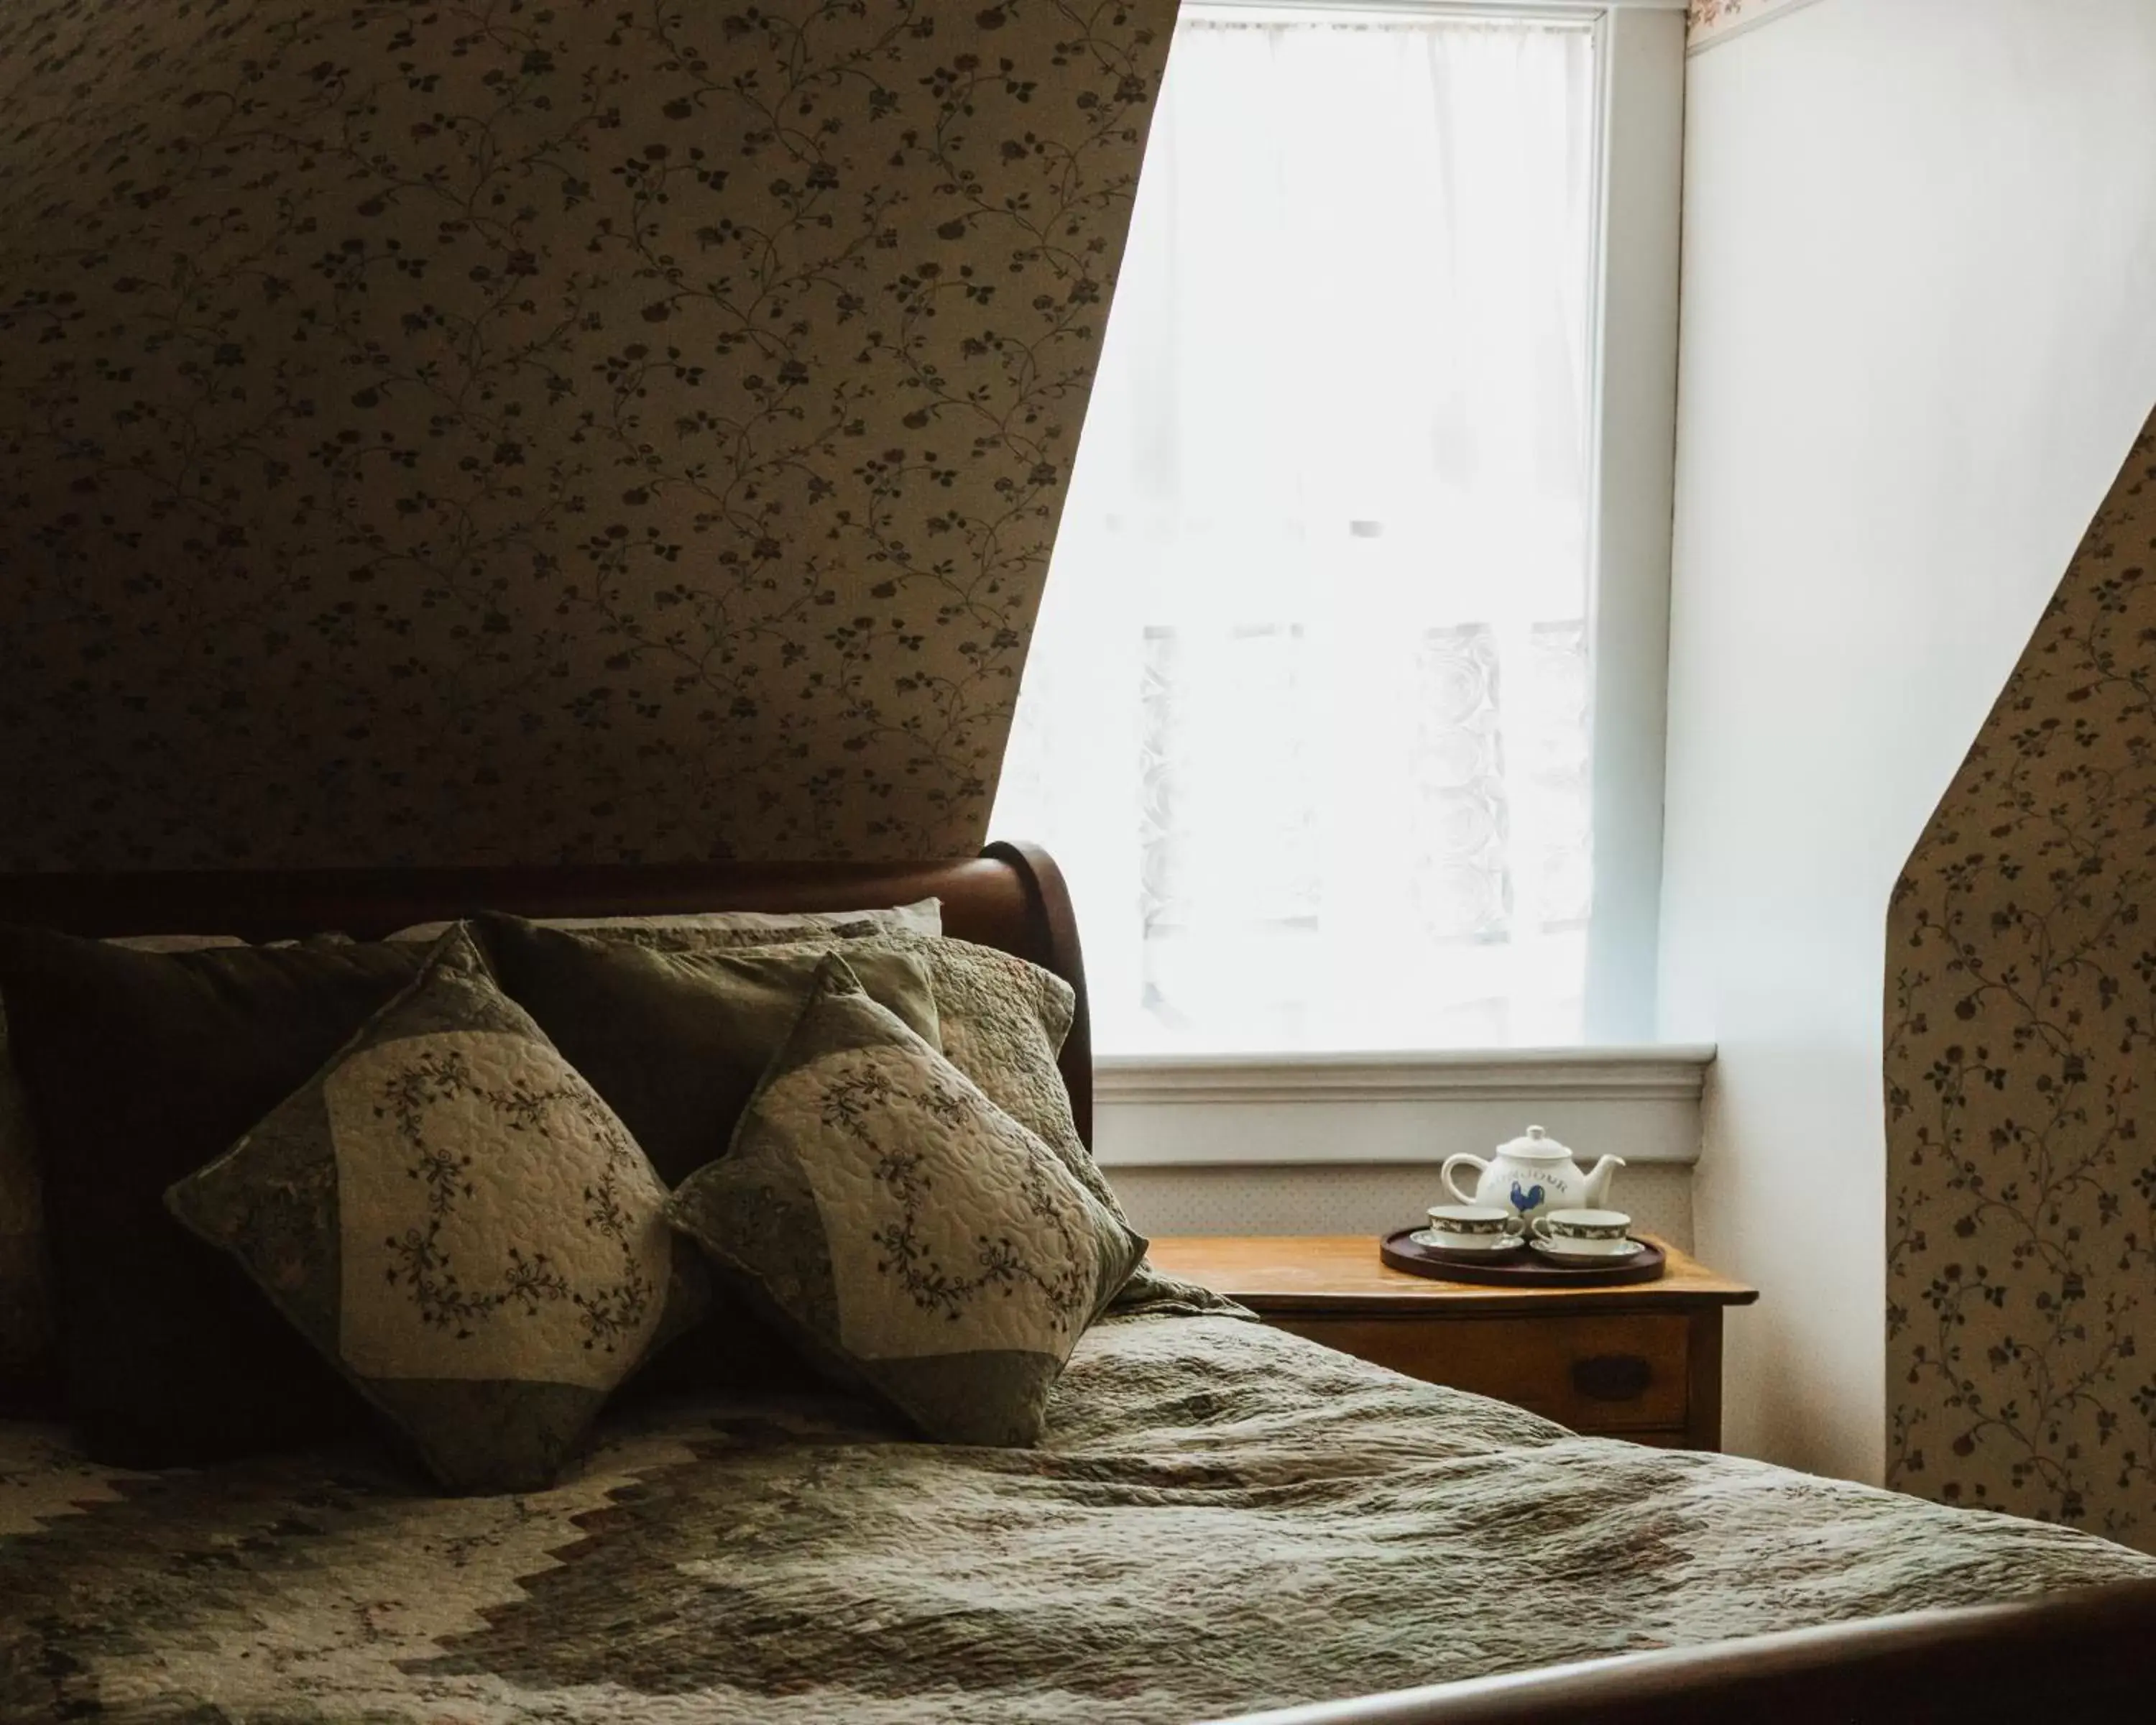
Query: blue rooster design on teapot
[{"x": 1531, "y": 1174}]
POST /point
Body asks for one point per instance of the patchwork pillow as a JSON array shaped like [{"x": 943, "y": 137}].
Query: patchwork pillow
[
  {"x": 458, "y": 1221},
  {"x": 675, "y": 1042},
  {"x": 1002, "y": 1022},
  {"x": 137, "y": 1068},
  {"x": 912, "y": 1235}
]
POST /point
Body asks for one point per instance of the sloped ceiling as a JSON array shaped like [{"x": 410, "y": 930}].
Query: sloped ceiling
[
  {"x": 2021, "y": 1073},
  {"x": 604, "y": 429}
]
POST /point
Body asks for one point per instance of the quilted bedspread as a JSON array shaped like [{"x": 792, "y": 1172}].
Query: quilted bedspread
[{"x": 1222, "y": 1517}]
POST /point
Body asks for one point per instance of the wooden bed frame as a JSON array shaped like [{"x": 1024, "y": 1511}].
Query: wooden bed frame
[{"x": 2074, "y": 1658}]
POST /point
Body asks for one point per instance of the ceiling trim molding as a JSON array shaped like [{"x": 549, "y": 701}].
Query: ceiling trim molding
[
  {"x": 1471, "y": 8},
  {"x": 1711, "y": 22}
]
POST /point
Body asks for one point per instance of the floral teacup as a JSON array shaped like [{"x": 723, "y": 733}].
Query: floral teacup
[
  {"x": 1599, "y": 1232},
  {"x": 1472, "y": 1228}
]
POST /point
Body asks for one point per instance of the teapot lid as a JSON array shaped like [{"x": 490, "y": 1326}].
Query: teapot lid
[{"x": 1536, "y": 1145}]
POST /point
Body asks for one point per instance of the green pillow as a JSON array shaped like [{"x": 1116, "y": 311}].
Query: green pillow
[
  {"x": 676, "y": 1041},
  {"x": 912, "y": 1236},
  {"x": 456, "y": 1220},
  {"x": 28, "y": 1352},
  {"x": 137, "y": 1068},
  {"x": 1002, "y": 1022}
]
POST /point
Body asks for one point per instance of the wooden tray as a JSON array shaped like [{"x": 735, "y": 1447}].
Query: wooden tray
[{"x": 1525, "y": 1270}]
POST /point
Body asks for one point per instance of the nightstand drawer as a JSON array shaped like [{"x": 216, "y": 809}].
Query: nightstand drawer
[
  {"x": 1622, "y": 1372},
  {"x": 1640, "y": 1361}
]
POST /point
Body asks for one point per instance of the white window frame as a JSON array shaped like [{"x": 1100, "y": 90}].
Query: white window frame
[
  {"x": 1640, "y": 59},
  {"x": 1334, "y": 1108}
]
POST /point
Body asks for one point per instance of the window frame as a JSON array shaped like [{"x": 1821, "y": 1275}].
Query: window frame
[
  {"x": 1639, "y": 62},
  {"x": 1640, "y": 59}
]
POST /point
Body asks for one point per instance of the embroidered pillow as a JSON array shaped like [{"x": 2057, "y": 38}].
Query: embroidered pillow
[
  {"x": 459, "y": 1223},
  {"x": 677, "y": 1041},
  {"x": 1002, "y": 1022},
  {"x": 912, "y": 1235}
]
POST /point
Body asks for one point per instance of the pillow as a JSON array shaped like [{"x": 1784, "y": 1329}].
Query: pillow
[
  {"x": 29, "y": 1359},
  {"x": 738, "y": 927},
  {"x": 452, "y": 1216},
  {"x": 912, "y": 1236},
  {"x": 1002, "y": 1022},
  {"x": 137, "y": 1068},
  {"x": 677, "y": 1041}
]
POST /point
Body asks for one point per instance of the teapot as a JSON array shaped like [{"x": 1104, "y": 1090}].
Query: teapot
[{"x": 1531, "y": 1174}]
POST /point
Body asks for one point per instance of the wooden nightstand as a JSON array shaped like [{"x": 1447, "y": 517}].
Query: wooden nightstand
[{"x": 1641, "y": 1362}]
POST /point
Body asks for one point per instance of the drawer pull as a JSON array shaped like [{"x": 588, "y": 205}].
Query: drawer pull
[{"x": 1612, "y": 1377}]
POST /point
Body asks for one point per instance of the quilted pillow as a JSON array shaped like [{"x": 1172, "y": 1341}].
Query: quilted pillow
[
  {"x": 675, "y": 1042},
  {"x": 457, "y": 1221},
  {"x": 1002, "y": 1022},
  {"x": 913, "y": 1236}
]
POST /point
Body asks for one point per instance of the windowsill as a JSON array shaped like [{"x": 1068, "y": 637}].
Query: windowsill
[
  {"x": 1251, "y": 1110},
  {"x": 1671, "y": 1071}
]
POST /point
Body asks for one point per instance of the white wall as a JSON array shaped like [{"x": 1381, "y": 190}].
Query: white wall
[{"x": 1919, "y": 330}]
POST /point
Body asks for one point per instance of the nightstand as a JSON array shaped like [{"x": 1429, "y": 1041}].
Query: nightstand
[{"x": 1641, "y": 1362}]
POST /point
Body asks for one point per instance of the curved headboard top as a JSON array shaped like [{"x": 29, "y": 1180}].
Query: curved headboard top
[{"x": 1011, "y": 897}]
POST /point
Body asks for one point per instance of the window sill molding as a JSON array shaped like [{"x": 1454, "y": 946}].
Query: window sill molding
[
  {"x": 1672, "y": 1072},
  {"x": 1226, "y": 1111}
]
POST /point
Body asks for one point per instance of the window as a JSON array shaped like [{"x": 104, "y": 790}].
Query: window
[{"x": 1311, "y": 713}]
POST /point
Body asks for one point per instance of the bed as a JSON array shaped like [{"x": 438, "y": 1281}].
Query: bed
[{"x": 1222, "y": 1519}]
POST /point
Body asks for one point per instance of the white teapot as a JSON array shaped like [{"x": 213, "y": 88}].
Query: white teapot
[{"x": 1532, "y": 1174}]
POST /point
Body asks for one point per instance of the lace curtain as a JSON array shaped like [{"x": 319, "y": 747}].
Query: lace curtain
[{"x": 1305, "y": 718}]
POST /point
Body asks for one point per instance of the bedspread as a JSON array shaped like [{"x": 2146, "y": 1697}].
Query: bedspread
[{"x": 1222, "y": 1517}]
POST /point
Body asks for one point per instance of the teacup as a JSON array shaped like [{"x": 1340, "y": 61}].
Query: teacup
[
  {"x": 1473, "y": 1227},
  {"x": 1597, "y": 1233}
]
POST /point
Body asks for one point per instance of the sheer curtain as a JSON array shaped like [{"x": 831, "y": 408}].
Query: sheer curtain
[{"x": 1305, "y": 718}]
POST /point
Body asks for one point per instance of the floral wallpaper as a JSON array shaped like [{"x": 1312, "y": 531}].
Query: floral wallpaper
[
  {"x": 1707, "y": 21},
  {"x": 2020, "y": 1074},
  {"x": 514, "y": 431}
]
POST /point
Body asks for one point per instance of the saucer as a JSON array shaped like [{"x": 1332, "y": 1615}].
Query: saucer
[
  {"x": 1467, "y": 1245},
  {"x": 1580, "y": 1254}
]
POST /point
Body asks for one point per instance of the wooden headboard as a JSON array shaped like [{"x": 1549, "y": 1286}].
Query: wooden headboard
[{"x": 1011, "y": 897}]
